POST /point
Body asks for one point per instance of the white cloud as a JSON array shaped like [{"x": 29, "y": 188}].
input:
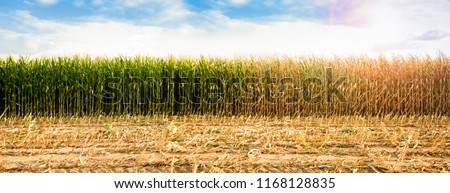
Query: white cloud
[
  {"x": 432, "y": 35},
  {"x": 13, "y": 42},
  {"x": 231, "y": 3},
  {"x": 174, "y": 10},
  {"x": 78, "y": 3},
  {"x": 391, "y": 31},
  {"x": 156, "y": 12},
  {"x": 239, "y": 2},
  {"x": 47, "y": 2},
  {"x": 97, "y": 2},
  {"x": 133, "y": 3}
]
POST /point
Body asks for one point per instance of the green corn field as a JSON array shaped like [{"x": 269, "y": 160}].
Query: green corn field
[{"x": 141, "y": 85}]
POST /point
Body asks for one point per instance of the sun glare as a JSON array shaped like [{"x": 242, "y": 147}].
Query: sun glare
[{"x": 384, "y": 23}]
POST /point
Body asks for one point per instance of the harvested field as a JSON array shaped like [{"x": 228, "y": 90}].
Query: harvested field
[
  {"x": 225, "y": 144},
  {"x": 146, "y": 114}
]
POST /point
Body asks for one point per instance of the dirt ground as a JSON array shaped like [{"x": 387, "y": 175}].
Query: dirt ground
[{"x": 225, "y": 144}]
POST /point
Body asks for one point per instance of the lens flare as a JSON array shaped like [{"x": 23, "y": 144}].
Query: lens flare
[{"x": 331, "y": 11}]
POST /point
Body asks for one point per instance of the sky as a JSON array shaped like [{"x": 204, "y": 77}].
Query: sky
[{"x": 224, "y": 28}]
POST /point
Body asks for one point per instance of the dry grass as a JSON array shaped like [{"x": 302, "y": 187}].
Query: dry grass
[{"x": 225, "y": 144}]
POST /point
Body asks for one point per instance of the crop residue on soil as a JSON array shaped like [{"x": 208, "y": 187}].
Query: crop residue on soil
[{"x": 225, "y": 144}]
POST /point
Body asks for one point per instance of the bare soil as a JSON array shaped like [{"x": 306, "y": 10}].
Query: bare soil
[{"x": 225, "y": 144}]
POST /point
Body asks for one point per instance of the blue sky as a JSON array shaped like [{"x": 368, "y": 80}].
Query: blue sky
[
  {"x": 136, "y": 10},
  {"x": 224, "y": 27}
]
